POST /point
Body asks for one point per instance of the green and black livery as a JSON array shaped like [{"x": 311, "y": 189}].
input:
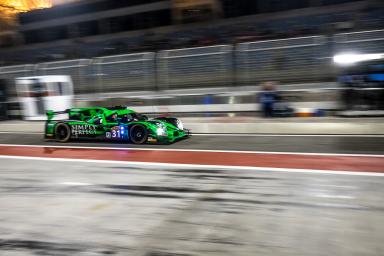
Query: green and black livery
[{"x": 113, "y": 124}]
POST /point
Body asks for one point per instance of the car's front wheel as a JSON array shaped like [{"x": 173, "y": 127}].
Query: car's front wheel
[
  {"x": 138, "y": 134},
  {"x": 62, "y": 132}
]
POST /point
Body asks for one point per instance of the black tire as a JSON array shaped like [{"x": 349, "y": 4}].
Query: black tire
[
  {"x": 138, "y": 134},
  {"x": 62, "y": 132}
]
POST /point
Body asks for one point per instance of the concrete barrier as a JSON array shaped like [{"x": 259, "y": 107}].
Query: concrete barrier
[{"x": 325, "y": 126}]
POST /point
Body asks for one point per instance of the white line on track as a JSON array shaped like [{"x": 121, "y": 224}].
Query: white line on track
[
  {"x": 289, "y": 135},
  {"x": 71, "y": 183},
  {"x": 191, "y": 150},
  {"x": 246, "y": 134},
  {"x": 197, "y": 166},
  {"x": 23, "y": 133},
  {"x": 334, "y": 196}
]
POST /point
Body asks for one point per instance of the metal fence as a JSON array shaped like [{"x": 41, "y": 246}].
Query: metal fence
[
  {"x": 77, "y": 69},
  {"x": 286, "y": 60},
  {"x": 194, "y": 67},
  {"x": 360, "y": 42},
  {"x": 125, "y": 72}
]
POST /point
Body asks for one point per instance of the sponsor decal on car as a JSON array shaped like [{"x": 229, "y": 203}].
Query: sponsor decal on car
[
  {"x": 83, "y": 129},
  {"x": 150, "y": 139}
]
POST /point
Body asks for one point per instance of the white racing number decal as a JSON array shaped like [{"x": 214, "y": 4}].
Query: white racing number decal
[
  {"x": 83, "y": 129},
  {"x": 115, "y": 133}
]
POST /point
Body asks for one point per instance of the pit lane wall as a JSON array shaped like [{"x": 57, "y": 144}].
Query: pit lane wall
[
  {"x": 248, "y": 125},
  {"x": 301, "y": 97},
  {"x": 325, "y": 96}
]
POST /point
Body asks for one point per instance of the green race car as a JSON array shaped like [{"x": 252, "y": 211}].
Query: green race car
[{"x": 113, "y": 124}]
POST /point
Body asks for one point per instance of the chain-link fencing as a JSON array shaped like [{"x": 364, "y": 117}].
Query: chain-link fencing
[
  {"x": 292, "y": 60},
  {"x": 125, "y": 72},
  {"x": 286, "y": 60},
  {"x": 195, "y": 67}
]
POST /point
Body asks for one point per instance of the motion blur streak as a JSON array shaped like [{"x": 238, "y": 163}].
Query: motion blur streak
[
  {"x": 295, "y": 161},
  {"x": 171, "y": 211}
]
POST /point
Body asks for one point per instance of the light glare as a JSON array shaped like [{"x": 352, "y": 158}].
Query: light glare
[{"x": 346, "y": 59}]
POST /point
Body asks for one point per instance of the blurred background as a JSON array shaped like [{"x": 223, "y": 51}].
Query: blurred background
[
  {"x": 160, "y": 55},
  {"x": 273, "y": 166}
]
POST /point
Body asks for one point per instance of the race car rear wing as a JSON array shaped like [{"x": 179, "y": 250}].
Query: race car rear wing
[{"x": 51, "y": 114}]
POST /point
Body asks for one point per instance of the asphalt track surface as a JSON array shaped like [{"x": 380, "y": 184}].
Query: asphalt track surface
[
  {"x": 75, "y": 202},
  {"x": 80, "y": 208},
  {"x": 309, "y": 144}
]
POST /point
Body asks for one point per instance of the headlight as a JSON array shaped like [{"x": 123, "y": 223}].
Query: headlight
[
  {"x": 180, "y": 125},
  {"x": 161, "y": 130}
]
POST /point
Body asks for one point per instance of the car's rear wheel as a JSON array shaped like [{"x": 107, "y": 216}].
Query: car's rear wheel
[
  {"x": 62, "y": 132},
  {"x": 138, "y": 134}
]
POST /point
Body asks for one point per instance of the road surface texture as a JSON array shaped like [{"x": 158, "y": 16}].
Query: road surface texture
[
  {"x": 74, "y": 208},
  {"x": 62, "y": 199}
]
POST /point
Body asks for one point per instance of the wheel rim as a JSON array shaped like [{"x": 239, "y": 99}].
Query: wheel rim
[
  {"x": 138, "y": 134},
  {"x": 62, "y": 133}
]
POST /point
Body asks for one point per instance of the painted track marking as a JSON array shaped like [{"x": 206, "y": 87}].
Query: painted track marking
[
  {"x": 192, "y": 150},
  {"x": 331, "y": 162},
  {"x": 247, "y": 134},
  {"x": 197, "y": 166}
]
